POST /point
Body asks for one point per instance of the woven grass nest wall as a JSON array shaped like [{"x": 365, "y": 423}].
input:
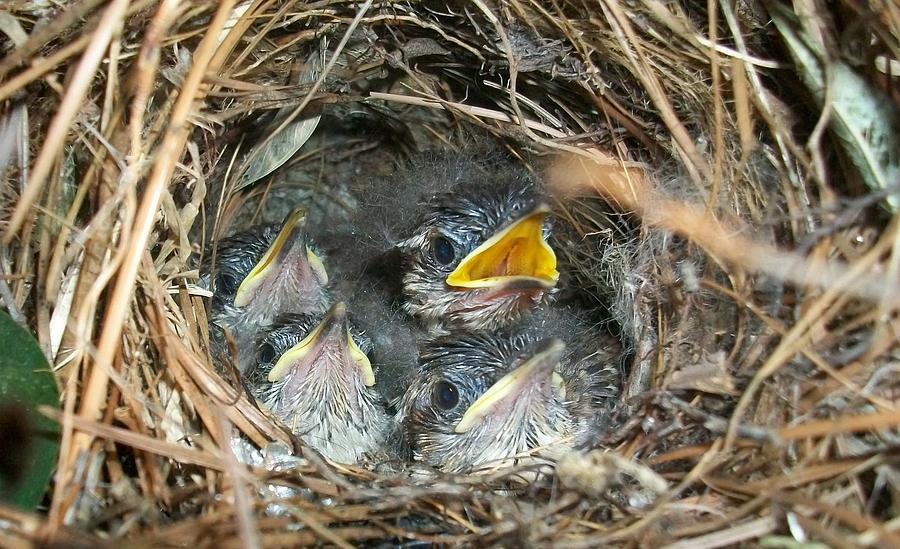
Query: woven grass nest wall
[{"x": 752, "y": 144}]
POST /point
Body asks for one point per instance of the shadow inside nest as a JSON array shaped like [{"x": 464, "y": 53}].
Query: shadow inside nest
[{"x": 356, "y": 213}]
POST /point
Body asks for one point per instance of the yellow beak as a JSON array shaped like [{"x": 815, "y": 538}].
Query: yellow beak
[
  {"x": 290, "y": 244},
  {"x": 333, "y": 330},
  {"x": 517, "y": 253},
  {"x": 508, "y": 387}
]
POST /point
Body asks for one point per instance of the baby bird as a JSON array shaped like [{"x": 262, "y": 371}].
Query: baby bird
[
  {"x": 313, "y": 373},
  {"x": 395, "y": 338},
  {"x": 259, "y": 274},
  {"x": 478, "y": 257},
  {"x": 485, "y": 399},
  {"x": 365, "y": 273}
]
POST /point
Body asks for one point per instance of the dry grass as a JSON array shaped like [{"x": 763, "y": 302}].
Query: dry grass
[{"x": 762, "y": 300}]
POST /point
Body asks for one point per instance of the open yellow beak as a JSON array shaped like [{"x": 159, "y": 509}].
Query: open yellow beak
[
  {"x": 517, "y": 253},
  {"x": 332, "y": 330},
  {"x": 290, "y": 242},
  {"x": 508, "y": 387}
]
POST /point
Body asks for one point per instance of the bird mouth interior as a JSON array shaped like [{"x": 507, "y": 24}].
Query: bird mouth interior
[
  {"x": 288, "y": 252},
  {"x": 516, "y": 254},
  {"x": 504, "y": 393},
  {"x": 330, "y": 340}
]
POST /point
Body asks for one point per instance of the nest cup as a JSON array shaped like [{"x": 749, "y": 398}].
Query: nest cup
[{"x": 747, "y": 159}]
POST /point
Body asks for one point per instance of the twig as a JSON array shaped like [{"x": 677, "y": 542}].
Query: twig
[
  {"x": 247, "y": 527},
  {"x": 180, "y": 454},
  {"x": 730, "y": 536},
  {"x": 69, "y": 108},
  {"x": 169, "y": 151},
  {"x": 6, "y": 293},
  {"x": 719, "y": 425},
  {"x": 315, "y": 87}
]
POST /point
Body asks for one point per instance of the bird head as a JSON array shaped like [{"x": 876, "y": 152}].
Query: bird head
[
  {"x": 482, "y": 400},
  {"x": 480, "y": 259},
  {"x": 313, "y": 373},
  {"x": 266, "y": 271}
]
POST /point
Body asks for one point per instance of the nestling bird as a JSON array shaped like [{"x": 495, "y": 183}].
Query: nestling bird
[
  {"x": 394, "y": 336},
  {"x": 484, "y": 399},
  {"x": 474, "y": 254},
  {"x": 313, "y": 372},
  {"x": 366, "y": 274},
  {"x": 259, "y": 274}
]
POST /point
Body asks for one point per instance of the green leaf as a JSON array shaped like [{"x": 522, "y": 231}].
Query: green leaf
[
  {"x": 29, "y": 441},
  {"x": 863, "y": 120}
]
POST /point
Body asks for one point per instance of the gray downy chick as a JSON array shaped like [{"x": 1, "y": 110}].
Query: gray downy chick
[
  {"x": 484, "y": 400},
  {"x": 395, "y": 337},
  {"x": 478, "y": 257},
  {"x": 313, "y": 373},
  {"x": 257, "y": 275},
  {"x": 366, "y": 274},
  {"x": 362, "y": 278}
]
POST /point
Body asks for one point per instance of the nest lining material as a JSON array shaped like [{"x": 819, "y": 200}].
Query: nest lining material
[{"x": 762, "y": 401}]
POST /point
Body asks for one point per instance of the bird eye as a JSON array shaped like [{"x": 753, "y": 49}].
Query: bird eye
[
  {"x": 266, "y": 354},
  {"x": 442, "y": 250},
  {"x": 226, "y": 283},
  {"x": 446, "y": 396}
]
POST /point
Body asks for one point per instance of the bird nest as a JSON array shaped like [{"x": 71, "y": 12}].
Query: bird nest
[{"x": 753, "y": 148}]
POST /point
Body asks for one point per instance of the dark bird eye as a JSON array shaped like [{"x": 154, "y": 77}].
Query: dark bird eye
[
  {"x": 266, "y": 354},
  {"x": 442, "y": 250},
  {"x": 446, "y": 396},
  {"x": 226, "y": 283}
]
